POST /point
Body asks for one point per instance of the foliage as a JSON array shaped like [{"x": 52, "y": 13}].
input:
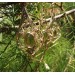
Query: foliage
[{"x": 32, "y": 48}]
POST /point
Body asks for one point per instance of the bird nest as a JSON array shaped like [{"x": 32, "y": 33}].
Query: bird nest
[{"x": 35, "y": 40}]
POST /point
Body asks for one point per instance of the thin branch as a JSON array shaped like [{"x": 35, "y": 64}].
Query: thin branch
[
  {"x": 50, "y": 19},
  {"x": 4, "y": 29}
]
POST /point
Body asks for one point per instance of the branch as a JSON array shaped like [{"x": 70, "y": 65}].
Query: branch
[
  {"x": 56, "y": 17},
  {"x": 4, "y": 29}
]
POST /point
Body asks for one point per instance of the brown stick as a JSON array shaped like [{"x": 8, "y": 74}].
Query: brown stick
[
  {"x": 56, "y": 17},
  {"x": 46, "y": 20}
]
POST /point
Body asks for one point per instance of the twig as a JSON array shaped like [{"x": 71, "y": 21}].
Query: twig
[
  {"x": 7, "y": 28},
  {"x": 55, "y": 17},
  {"x": 50, "y": 19}
]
